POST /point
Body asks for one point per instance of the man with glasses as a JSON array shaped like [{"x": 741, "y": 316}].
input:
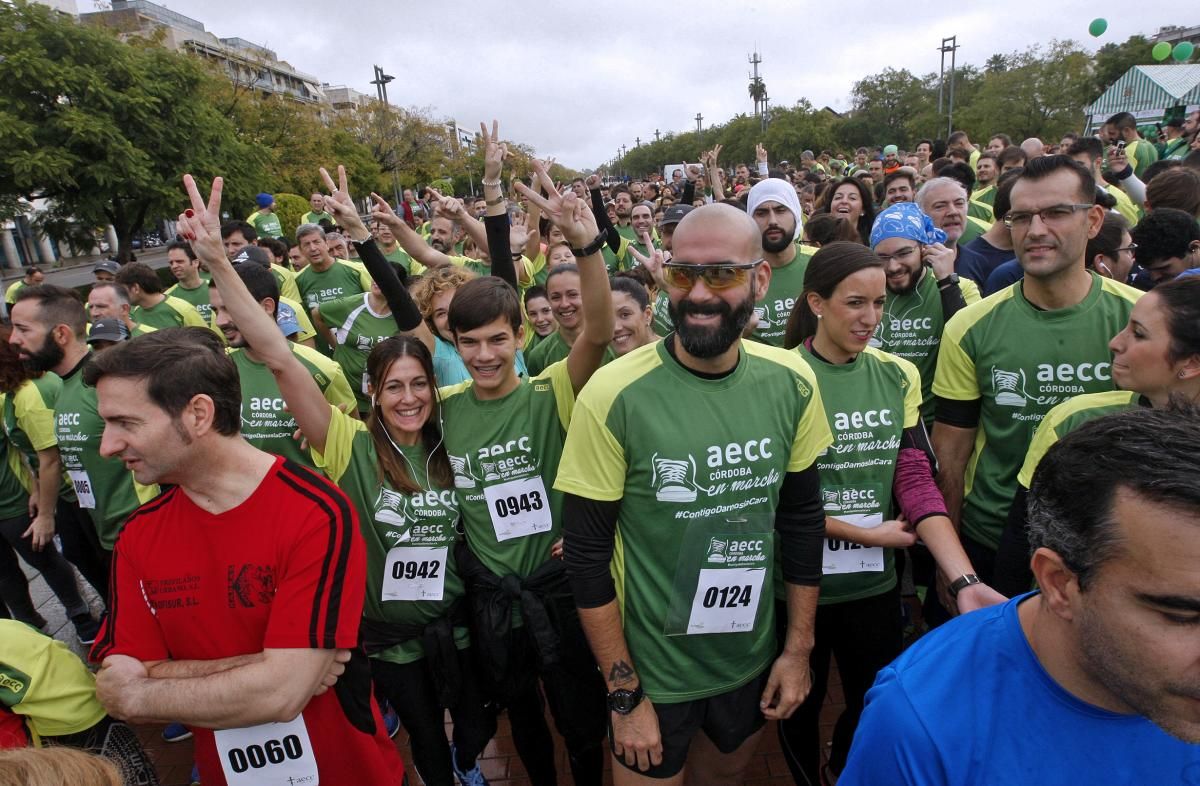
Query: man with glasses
[
  {"x": 1167, "y": 242},
  {"x": 697, "y": 509},
  {"x": 1005, "y": 361},
  {"x": 923, "y": 290}
]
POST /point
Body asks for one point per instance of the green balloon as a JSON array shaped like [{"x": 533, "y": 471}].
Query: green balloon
[
  {"x": 1161, "y": 51},
  {"x": 1184, "y": 51},
  {"x": 1097, "y": 27}
]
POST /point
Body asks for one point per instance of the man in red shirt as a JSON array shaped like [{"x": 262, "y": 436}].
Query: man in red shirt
[{"x": 237, "y": 593}]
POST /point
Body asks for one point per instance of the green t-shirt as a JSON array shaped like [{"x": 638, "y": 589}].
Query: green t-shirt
[
  {"x": 198, "y": 297},
  {"x": 687, "y": 480},
  {"x": 663, "y": 325},
  {"x": 45, "y": 683},
  {"x": 1068, "y": 416},
  {"x": 316, "y": 217},
  {"x": 168, "y": 313},
  {"x": 15, "y": 482},
  {"x": 266, "y": 224},
  {"x": 265, "y": 423},
  {"x": 1020, "y": 361},
  {"x": 341, "y": 279},
  {"x": 410, "y": 537},
  {"x": 14, "y": 289},
  {"x": 286, "y": 279},
  {"x": 1176, "y": 149},
  {"x": 28, "y": 417},
  {"x": 868, "y": 403},
  {"x": 552, "y": 349},
  {"x": 912, "y": 327},
  {"x": 103, "y": 486},
  {"x": 986, "y": 195},
  {"x": 399, "y": 255},
  {"x": 505, "y": 453},
  {"x": 357, "y": 330},
  {"x": 775, "y": 306},
  {"x": 1141, "y": 154}
]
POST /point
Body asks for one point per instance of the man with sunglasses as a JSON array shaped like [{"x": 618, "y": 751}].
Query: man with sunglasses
[
  {"x": 679, "y": 609},
  {"x": 1005, "y": 361}
]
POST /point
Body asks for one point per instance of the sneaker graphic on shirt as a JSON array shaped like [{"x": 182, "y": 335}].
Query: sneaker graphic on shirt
[
  {"x": 490, "y": 470},
  {"x": 716, "y": 550},
  {"x": 671, "y": 477},
  {"x": 391, "y": 508},
  {"x": 1009, "y": 387},
  {"x": 461, "y": 466}
]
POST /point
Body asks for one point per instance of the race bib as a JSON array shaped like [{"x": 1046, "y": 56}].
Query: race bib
[
  {"x": 271, "y": 754},
  {"x": 844, "y": 556},
  {"x": 518, "y": 508},
  {"x": 414, "y": 573},
  {"x": 726, "y": 600},
  {"x": 83, "y": 488}
]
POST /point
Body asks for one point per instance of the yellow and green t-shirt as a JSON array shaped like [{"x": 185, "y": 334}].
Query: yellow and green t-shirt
[
  {"x": 1068, "y": 416},
  {"x": 45, "y": 683},
  {"x": 170, "y": 312}
]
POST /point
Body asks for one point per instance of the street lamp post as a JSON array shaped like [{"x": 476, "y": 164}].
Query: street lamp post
[
  {"x": 948, "y": 45},
  {"x": 381, "y": 81}
]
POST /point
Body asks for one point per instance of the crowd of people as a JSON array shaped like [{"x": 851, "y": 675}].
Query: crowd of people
[{"x": 653, "y": 452}]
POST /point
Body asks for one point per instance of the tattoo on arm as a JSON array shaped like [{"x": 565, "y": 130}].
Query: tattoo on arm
[{"x": 621, "y": 673}]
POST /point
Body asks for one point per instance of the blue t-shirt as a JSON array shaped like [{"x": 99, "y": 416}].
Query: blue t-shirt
[
  {"x": 970, "y": 705},
  {"x": 969, "y": 264},
  {"x": 1002, "y": 277},
  {"x": 994, "y": 257},
  {"x": 449, "y": 368}
]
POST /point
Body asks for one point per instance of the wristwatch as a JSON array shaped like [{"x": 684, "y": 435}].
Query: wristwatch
[
  {"x": 623, "y": 701},
  {"x": 948, "y": 281},
  {"x": 962, "y": 582},
  {"x": 593, "y": 247}
]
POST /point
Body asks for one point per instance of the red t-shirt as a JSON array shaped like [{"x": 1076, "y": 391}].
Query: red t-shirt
[{"x": 284, "y": 569}]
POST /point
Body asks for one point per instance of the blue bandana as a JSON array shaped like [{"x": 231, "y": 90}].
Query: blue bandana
[{"x": 905, "y": 219}]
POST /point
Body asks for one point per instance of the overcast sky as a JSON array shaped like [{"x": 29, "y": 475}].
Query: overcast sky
[{"x": 576, "y": 80}]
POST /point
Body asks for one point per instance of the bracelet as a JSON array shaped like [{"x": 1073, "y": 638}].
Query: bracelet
[
  {"x": 494, "y": 183},
  {"x": 593, "y": 247},
  {"x": 493, "y": 202}
]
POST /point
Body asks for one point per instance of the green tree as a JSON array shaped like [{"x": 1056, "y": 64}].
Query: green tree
[
  {"x": 1113, "y": 60},
  {"x": 1039, "y": 95},
  {"x": 104, "y": 130},
  {"x": 884, "y": 106}
]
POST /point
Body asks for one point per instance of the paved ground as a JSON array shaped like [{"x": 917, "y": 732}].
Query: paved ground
[{"x": 500, "y": 762}]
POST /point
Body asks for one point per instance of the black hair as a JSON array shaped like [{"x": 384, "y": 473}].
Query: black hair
[
  {"x": 182, "y": 245},
  {"x": 1150, "y": 453},
  {"x": 1108, "y": 239},
  {"x": 632, "y": 287},
  {"x": 1043, "y": 166},
  {"x": 247, "y": 230},
  {"x": 827, "y": 268},
  {"x": 535, "y": 291},
  {"x": 1164, "y": 233},
  {"x": 482, "y": 301}
]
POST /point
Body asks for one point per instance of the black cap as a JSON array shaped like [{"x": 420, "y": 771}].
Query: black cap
[
  {"x": 107, "y": 266},
  {"x": 252, "y": 254},
  {"x": 675, "y": 214},
  {"x": 107, "y": 330},
  {"x": 1175, "y": 122}
]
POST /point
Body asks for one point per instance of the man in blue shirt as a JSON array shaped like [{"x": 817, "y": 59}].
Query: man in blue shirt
[{"x": 1095, "y": 679}]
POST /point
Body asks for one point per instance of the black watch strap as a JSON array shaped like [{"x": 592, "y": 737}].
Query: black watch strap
[
  {"x": 593, "y": 247},
  {"x": 962, "y": 582},
  {"x": 623, "y": 701},
  {"x": 948, "y": 281}
]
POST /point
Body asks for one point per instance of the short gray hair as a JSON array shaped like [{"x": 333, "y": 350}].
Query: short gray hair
[
  {"x": 923, "y": 194},
  {"x": 305, "y": 230}
]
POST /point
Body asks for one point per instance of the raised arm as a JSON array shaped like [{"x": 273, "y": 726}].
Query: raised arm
[
  {"x": 716, "y": 178},
  {"x": 601, "y": 214},
  {"x": 496, "y": 217},
  {"x": 202, "y": 226},
  {"x": 579, "y": 227}
]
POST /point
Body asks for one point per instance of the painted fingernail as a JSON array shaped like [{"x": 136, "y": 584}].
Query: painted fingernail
[{"x": 189, "y": 212}]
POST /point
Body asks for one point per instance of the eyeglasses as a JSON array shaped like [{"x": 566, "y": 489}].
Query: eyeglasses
[
  {"x": 1132, "y": 247},
  {"x": 900, "y": 256},
  {"x": 1055, "y": 214},
  {"x": 718, "y": 275}
]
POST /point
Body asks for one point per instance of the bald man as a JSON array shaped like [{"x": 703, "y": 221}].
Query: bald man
[
  {"x": 697, "y": 509},
  {"x": 1033, "y": 148}
]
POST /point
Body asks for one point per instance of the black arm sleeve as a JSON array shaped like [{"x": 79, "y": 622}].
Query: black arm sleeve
[
  {"x": 589, "y": 529},
  {"x": 499, "y": 248},
  {"x": 952, "y": 301},
  {"x": 392, "y": 284},
  {"x": 918, "y": 439},
  {"x": 800, "y": 522},
  {"x": 602, "y": 222},
  {"x": 1012, "y": 574},
  {"x": 689, "y": 193},
  {"x": 958, "y": 413}
]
